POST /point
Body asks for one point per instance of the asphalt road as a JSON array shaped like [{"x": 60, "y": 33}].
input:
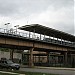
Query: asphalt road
[{"x": 52, "y": 71}]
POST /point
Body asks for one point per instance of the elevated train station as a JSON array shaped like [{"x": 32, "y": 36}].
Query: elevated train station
[{"x": 46, "y": 46}]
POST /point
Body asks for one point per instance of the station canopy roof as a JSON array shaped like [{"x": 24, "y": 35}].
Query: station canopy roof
[{"x": 36, "y": 28}]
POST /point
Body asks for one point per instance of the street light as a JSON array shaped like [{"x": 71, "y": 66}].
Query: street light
[
  {"x": 7, "y": 25},
  {"x": 16, "y": 28}
]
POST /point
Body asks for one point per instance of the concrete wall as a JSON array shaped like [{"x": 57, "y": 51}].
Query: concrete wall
[{"x": 7, "y": 55}]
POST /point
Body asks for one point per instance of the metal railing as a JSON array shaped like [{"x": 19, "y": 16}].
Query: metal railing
[{"x": 27, "y": 35}]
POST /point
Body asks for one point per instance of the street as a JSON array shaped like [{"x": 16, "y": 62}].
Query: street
[{"x": 52, "y": 71}]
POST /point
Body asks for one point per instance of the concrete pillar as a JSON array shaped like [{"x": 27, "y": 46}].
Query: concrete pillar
[
  {"x": 31, "y": 58},
  {"x": 11, "y": 54},
  {"x": 65, "y": 58},
  {"x": 48, "y": 58},
  {"x": 39, "y": 58}
]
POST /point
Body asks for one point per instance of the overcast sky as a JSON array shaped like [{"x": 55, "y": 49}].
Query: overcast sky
[{"x": 56, "y": 14}]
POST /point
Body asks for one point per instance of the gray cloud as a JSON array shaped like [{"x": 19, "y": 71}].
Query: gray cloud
[
  {"x": 58, "y": 14},
  {"x": 22, "y": 7},
  {"x": 7, "y": 7},
  {"x": 27, "y": 7}
]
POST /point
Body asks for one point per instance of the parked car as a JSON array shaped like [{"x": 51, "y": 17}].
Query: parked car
[{"x": 9, "y": 64}]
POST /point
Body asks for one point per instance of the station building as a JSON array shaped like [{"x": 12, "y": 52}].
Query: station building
[{"x": 46, "y": 46}]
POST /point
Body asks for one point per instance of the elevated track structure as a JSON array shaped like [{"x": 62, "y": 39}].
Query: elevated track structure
[{"x": 36, "y": 37}]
